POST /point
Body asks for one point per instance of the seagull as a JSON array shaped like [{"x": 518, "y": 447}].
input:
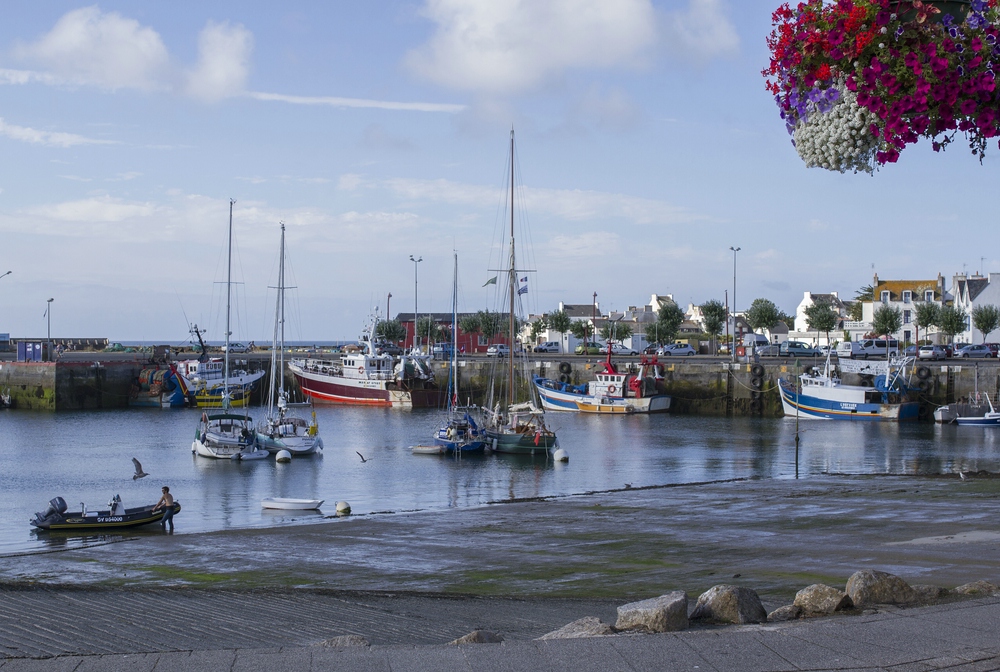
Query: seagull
[
  {"x": 961, "y": 475},
  {"x": 361, "y": 456},
  {"x": 139, "y": 473}
]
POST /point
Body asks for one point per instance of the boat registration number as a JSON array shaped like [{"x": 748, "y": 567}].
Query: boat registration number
[
  {"x": 110, "y": 519},
  {"x": 848, "y": 406}
]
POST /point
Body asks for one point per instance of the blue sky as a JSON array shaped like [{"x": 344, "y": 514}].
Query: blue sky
[{"x": 647, "y": 146}]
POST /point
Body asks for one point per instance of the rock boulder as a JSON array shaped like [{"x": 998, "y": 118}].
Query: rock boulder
[
  {"x": 591, "y": 626},
  {"x": 789, "y": 612},
  {"x": 868, "y": 587},
  {"x": 818, "y": 599},
  {"x": 478, "y": 637},
  {"x": 665, "y": 613},
  {"x": 978, "y": 588},
  {"x": 729, "y": 604}
]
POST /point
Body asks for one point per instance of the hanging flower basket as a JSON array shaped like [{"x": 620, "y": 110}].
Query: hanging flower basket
[{"x": 857, "y": 81}]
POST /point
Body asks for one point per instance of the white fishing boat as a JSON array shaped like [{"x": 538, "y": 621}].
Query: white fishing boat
[
  {"x": 290, "y": 504},
  {"x": 281, "y": 429},
  {"x": 225, "y": 434},
  {"x": 513, "y": 425},
  {"x": 978, "y": 411}
]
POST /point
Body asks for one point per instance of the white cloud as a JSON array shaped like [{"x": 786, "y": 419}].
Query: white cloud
[
  {"x": 223, "y": 62},
  {"x": 702, "y": 31},
  {"x": 8, "y": 76},
  {"x": 509, "y": 46},
  {"x": 50, "y": 138},
  {"x": 584, "y": 246},
  {"x": 333, "y": 101},
  {"x": 105, "y": 50},
  {"x": 101, "y": 209}
]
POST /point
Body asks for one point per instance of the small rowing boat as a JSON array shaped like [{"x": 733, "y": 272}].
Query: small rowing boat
[
  {"x": 55, "y": 517},
  {"x": 290, "y": 504},
  {"x": 428, "y": 450}
]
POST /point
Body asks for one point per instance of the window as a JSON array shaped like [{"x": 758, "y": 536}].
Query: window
[
  {"x": 906, "y": 336},
  {"x": 906, "y": 318},
  {"x": 482, "y": 340},
  {"x": 929, "y": 295},
  {"x": 885, "y": 297},
  {"x": 907, "y": 295}
]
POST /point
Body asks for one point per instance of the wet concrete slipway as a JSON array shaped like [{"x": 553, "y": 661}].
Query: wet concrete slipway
[{"x": 409, "y": 582}]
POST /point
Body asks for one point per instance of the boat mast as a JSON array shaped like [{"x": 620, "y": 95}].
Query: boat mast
[
  {"x": 229, "y": 291},
  {"x": 281, "y": 300},
  {"x": 454, "y": 337},
  {"x": 513, "y": 277}
]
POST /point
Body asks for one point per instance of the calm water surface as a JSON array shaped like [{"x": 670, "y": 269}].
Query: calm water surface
[{"x": 85, "y": 457}]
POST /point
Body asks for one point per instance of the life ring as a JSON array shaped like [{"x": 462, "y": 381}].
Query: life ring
[
  {"x": 923, "y": 373},
  {"x": 361, "y": 369},
  {"x": 565, "y": 367},
  {"x": 611, "y": 389},
  {"x": 757, "y": 370}
]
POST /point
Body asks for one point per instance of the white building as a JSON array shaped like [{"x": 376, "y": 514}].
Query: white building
[
  {"x": 905, "y": 295},
  {"x": 971, "y": 292},
  {"x": 801, "y": 330}
]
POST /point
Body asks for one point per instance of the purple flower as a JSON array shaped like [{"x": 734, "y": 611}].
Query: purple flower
[{"x": 833, "y": 94}]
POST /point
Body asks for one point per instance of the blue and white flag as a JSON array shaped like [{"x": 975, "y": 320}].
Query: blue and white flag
[{"x": 523, "y": 290}]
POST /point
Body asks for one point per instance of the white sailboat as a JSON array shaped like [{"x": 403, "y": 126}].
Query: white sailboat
[
  {"x": 225, "y": 434},
  {"x": 282, "y": 429}
]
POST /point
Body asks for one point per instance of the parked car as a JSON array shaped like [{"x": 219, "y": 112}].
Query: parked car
[
  {"x": 650, "y": 349},
  {"x": 768, "y": 350},
  {"x": 441, "y": 350},
  {"x": 797, "y": 349},
  {"x": 548, "y": 346},
  {"x": 910, "y": 351},
  {"x": 676, "y": 350},
  {"x": 976, "y": 350},
  {"x": 994, "y": 348},
  {"x": 949, "y": 349},
  {"x": 384, "y": 348},
  {"x": 850, "y": 350},
  {"x": 237, "y": 347},
  {"x": 498, "y": 350},
  {"x": 931, "y": 352},
  {"x": 619, "y": 349},
  {"x": 876, "y": 348},
  {"x": 593, "y": 348}
]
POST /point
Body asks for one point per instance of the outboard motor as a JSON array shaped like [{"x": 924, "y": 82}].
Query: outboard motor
[{"x": 57, "y": 507}]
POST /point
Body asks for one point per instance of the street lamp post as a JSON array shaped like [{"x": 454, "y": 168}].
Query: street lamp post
[
  {"x": 387, "y": 306},
  {"x": 416, "y": 336},
  {"x": 48, "y": 337},
  {"x": 735, "y": 250},
  {"x": 593, "y": 321}
]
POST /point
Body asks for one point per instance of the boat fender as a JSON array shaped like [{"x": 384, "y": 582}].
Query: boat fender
[
  {"x": 924, "y": 385},
  {"x": 923, "y": 373},
  {"x": 922, "y": 412},
  {"x": 756, "y": 382},
  {"x": 565, "y": 367},
  {"x": 564, "y": 378},
  {"x": 757, "y": 370}
]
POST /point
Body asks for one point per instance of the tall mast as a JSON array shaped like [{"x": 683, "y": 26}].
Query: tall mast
[
  {"x": 229, "y": 291},
  {"x": 454, "y": 336},
  {"x": 513, "y": 277},
  {"x": 281, "y": 300}
]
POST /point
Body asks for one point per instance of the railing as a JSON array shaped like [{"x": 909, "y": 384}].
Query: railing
[{"x": 852, "y": 325}]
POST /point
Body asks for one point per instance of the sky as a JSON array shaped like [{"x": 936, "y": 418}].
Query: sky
[{"x": 646, "y": 148}]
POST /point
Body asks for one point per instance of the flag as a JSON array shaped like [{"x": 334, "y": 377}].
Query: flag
[
  {"x": 491, "y": 281},
  {"x": 523, "y": 290},
  {"x": 524, "y": 279}
]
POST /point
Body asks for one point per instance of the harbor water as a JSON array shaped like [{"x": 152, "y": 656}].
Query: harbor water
[{"x": 86, "y": 457}]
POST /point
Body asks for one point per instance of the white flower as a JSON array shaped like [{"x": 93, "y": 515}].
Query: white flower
[{"x": 839, "y": 139}]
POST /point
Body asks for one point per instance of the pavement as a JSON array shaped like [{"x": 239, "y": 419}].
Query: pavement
[{"x": 409, "y": 582}]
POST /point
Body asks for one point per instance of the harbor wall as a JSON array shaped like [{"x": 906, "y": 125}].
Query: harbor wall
[{"x": 697, "y": 386}]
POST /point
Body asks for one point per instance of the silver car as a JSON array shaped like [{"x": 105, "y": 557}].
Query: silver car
[
  {"x": 931, "y": 352},
  {"x": 978, "y": 350},
  {"x": 767, "y": 351},
  {"x": 676, "y": 350}
]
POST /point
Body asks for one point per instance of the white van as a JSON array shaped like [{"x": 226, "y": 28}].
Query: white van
[
  {"x": 850, "y": 350},
  {"x": 753, "y": 341},
  {"x": 879, "y": 348}
]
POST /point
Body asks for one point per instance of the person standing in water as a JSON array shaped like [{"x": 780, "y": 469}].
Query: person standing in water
[{"x": 167, "y": 504}]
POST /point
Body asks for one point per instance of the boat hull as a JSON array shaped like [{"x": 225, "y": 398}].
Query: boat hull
[
  {"x": 988, "y": 420},
  {"x": 809, "y": 406},
  {"x": 296, "y": 445},
  {"x": 104, "y": 520},
  {"x": 555, "y": 397},
  {"x": 327, "y": 389},
  {"x": 520, "y": 444},
  {"x": 290, "y": 504}
]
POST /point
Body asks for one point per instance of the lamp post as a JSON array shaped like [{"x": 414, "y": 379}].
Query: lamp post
[
  {"x": 48, "y": 337},
  {"x": 387, "y": 306},
  {"x": 735, "y": 250},
  {"x": 593, "y": 321},
  {"x": 416, "y": 336}
]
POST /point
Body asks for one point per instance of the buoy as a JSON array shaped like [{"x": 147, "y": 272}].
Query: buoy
[
  {"x": 283, "y": 456},
  {"x": 560, "y": 455},
  {"x": 343, "y": 508}
]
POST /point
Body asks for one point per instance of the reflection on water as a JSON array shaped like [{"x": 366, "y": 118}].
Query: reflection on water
[{"x": 86, "y": 457}]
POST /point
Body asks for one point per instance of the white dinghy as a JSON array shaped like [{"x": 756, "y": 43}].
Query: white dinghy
[{"x": 290, "y": 504}]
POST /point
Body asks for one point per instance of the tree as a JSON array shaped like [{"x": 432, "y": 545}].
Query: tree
[
  {"x": 951, "y": 320},
  {"x": 887, "y": 320},
  {"x": 616, "y": 331},
  {"x": 856, "y": 311},
  {"x": 714, "y": 318},
  {"x": 668, "y": 322},
  {"x": 428, "y": 329},
  {"x": 492, "y": 323},
  {"x": 928, "y": 314},
  {"x": 470, "y": 324},
  {"x": 821, "y": 316},
  {"x": 390, "y": 330},
  {"x": 559, "y": 321},
  {"x": 580, "y": 329},
  {"x": 986, "y": 319},
  {"x": 762, "y": 314},
  {"x": 537, "y": 327}
]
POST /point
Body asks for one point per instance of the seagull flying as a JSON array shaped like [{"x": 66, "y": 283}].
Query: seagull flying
[
  {"x": 139, "y": 473},
  {"x": 361, "y": 456}
]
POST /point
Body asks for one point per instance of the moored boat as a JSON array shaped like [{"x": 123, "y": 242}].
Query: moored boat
[
  {"x": 161, "y": 387},
  {"x": 611, "y": 392},
  {"x": 116, "y": 516},
  {"x": 290, "y": 503}
]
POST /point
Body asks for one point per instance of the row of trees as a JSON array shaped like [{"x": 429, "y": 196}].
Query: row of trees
[{"x": 950, "y": 320}]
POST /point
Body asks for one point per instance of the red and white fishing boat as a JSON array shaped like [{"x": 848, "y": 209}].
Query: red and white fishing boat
[{"x": 370, "y": 379}]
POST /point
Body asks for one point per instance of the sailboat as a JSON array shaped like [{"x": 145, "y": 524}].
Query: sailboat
[
  {"x": 460, "y": 434},
  {"x": 975, "y": 412},
  {"x": 513, "y": 426},
  {"x": 225, "y": 434},
  {"x": 282, "y": 430}
]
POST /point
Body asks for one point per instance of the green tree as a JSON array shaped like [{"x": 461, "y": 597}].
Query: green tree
[
  {"x": 537, "y": 327},
  {"x": 429, "y": 331},
  {"x": 951, "y": 320},
  {"x": 668, "y": 322},
  {"x": 856, "y": 311},
  {"x": 492, "y": 323},
  {"x": 821, "y": 316},
  {"x": 616, "y": 331},
  {"x": 580, "y": 329},
  {"x": 390, "y": 330},
  {"x": 887, "y": 320},
  {"x": 762, "y": 314},
  {"x": 469, "y": 324},
  {"x": 986, "y": 318},
  {"x": 714, "y": 318},
  {"x": 559, "y": 321},
  {"x": 927, "y": 315}
]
